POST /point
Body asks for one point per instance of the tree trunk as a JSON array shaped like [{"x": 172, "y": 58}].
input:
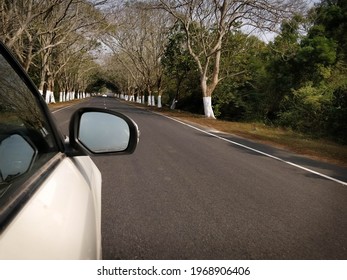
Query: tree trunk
[
  {"x": 207, "y": 99},
  {"x": 208, "y": 110},
  {"x": 173, "y": 104}
]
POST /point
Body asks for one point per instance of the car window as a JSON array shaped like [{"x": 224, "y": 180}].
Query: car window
[{"x": 26, "y": 141}]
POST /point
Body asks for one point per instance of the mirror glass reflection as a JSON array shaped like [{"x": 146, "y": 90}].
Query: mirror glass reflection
[
  {"x": 16, "y": 156},
  {"x": 102, "y": 132}
]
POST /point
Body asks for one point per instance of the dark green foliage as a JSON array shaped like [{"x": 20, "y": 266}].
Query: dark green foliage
[
  {"x": 297, "y": 81},
  {"x": 181, "y": 76},
  {"x": 317, "y": 102},
  {"x": 333, "y": 16}
]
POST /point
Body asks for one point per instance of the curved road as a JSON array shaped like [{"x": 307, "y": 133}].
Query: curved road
[{"x": 186, "y": 194}]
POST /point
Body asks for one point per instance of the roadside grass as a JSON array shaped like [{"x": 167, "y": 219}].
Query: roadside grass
[
  {"x": 287, "y": 139},
  {"x": 58, "y": 105}
]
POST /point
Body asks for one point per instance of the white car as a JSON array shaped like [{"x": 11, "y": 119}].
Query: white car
[{"x": 50, "y": 189}]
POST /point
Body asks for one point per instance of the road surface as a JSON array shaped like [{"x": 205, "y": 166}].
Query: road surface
[{"x": 188, "y": 194}]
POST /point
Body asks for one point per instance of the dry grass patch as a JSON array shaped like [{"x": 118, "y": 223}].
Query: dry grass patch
[
  {"x": 64, "y": 104},
  {"x": 283, "y": 138}
]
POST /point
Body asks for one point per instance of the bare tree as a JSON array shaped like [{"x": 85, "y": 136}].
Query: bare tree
[
  {"x": 121, "y": 71},
  {"x": 71, "y": 69},
  {"x": 44, "y": 33},
  {"x": 63, "y": 28},
  {"x": 17, "y": 19},
  {"x": 140, "y": 33},
  {"x": 206, "y": 23}
]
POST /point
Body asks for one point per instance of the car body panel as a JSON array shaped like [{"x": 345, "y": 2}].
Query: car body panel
[
  {"x": 50, "y": 189},
  {"x": 45, "y": 229}
]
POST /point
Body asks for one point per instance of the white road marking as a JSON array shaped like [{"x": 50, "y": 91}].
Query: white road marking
[
  {"x": 260, "y": 152},
  {"x": 63, "y": 108}
]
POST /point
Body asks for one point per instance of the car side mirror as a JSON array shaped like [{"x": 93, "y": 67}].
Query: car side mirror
[
  {"x": 97, "y": 131},
  {"x": 17, "y": 155}
]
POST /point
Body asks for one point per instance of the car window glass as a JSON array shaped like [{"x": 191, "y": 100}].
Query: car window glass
[{"x": 26, "y": 141}]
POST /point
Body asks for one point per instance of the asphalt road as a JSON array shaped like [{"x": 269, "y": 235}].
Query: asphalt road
[{"x": 186, "y": 194}]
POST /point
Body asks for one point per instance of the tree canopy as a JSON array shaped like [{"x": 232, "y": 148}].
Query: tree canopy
[{"x": 181, "y": 51}]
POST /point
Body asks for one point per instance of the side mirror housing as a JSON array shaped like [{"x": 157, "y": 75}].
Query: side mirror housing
[{"x": 95, "y": 131}]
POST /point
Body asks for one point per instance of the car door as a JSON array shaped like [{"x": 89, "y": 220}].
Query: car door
[
  {"x": 50, "y": 203},
  {"x": 50, "y": 189}
]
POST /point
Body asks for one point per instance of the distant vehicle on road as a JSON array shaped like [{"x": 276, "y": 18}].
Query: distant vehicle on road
[{"x": 50, "y": 189}]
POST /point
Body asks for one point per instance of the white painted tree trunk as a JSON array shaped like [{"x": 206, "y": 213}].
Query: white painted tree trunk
[
  {"x": 159, "y": 101},
  {"x": 173, "y": 104},
  {"x": 143, "y": 99},
  {"x": 153, "y": 100},
  {"x": 208, "y": 107},
  {"x": 52, "y": 99},
  {"x": 60, "y": 97},
  {"x": 149, "y": 101},
  {"x": 48, "y": 96}
]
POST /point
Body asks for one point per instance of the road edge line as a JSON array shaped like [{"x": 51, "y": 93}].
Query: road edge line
[{"x": 259, "y": 152}]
